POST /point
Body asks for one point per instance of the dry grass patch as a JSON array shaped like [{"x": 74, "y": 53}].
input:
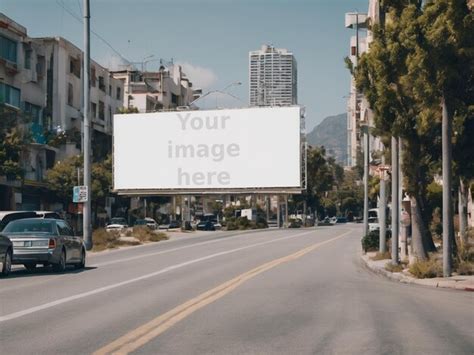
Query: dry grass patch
[
  {"x": 381, "y": 256},
  {"x": 144, "y": 234},
  {"x": 425, "y": 269},
  {"x": 107, "y": 240},
  {"x": 394, "y": 268}
]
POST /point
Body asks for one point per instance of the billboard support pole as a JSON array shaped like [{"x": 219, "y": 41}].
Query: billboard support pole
[
  {"x": 278, "y": 211},
  {"x": 286, "y": 211}
]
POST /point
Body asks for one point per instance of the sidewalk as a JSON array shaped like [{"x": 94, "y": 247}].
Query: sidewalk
[{"x": 462, "y": 282}]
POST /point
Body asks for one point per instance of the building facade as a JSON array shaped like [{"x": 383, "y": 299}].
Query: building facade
[
  {"x": 41, "y": 89},
  {"x": 358, "y": 111},
  {"x": 166, "y": 89},
  {"x": 272, "y": 77}
]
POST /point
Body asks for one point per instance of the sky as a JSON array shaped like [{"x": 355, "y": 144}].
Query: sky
[{"x": 211, "y": 40}]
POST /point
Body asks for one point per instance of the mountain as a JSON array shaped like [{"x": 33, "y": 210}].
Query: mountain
[{"x": 332, "y": 134}]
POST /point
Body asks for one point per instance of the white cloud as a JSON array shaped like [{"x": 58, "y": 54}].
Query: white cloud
[{"x": 201, "y": 77}]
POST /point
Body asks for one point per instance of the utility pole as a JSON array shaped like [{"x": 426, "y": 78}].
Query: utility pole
[
  {"x": 383, "y": 211},
  {"x": 366, "y": 179},
  {"x": 87, "y": 225},
  {"x": 446, "y": 128},
  {"x": 395, "y": 206}
]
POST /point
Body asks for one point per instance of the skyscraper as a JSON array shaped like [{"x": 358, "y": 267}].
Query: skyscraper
[{"x": 272, "y": 77}]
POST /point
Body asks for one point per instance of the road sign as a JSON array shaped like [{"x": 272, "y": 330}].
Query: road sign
[{"x": 80, "y": 194}]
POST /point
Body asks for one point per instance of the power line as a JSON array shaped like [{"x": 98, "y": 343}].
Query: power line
[{"x": 78, "y": 18}]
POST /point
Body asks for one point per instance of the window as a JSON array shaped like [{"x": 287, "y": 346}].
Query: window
[
  {"x": 101, "y": 110},
  {"x": 8, "y": 49},
  {"x": 70, "y": 94},
  {"x": 40, "y": 65},
  {"x": 119, "y": 94},
  {"x": 28, "y": 58},
  {"x": 75, "y": 67},
  {"x": 101, "y": 83},
  {"x": 9, "y": 95},
  {"x": 33, "y": 112},
  {"x": 110, "y": 114},
  {"x": 110, "y": 90},
  {"x": 94, "y": 109},
  {"x": 93, "y": 77},
  {"x": 63, "y": 228}
]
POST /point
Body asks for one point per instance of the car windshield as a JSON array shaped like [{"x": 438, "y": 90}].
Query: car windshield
[
  {"x": 23, "y": 226},
  {"x": 373, "y": 220},
  {"x": 117, "y": 221}
]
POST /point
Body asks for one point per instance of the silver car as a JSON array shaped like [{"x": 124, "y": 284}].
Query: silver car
[{"x": 45, "y": 241}]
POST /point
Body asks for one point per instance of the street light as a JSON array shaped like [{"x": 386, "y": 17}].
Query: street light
[
  {"x": 223, "y": 91},
  {"x": 361, "y": 22}
]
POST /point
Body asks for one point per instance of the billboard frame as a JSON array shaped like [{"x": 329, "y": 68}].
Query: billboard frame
[{"x": 293, "y": 190}]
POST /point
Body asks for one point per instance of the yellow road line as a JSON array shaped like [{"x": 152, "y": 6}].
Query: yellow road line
[{"x": 147, "y": 332}]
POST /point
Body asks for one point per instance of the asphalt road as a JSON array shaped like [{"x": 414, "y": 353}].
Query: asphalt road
[{"x": 268, "y": 292}]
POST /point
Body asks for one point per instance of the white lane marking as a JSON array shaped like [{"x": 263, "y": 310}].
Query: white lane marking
[
  {"x": 106, "y": 263},
  {"x": 60, "y": 301}
]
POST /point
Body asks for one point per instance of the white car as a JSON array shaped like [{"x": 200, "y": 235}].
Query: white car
[
  {"x": 373, "y": 224},
  {"x": 115, "y": 227}
]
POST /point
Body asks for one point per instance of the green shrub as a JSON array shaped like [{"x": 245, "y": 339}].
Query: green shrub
[
  {"x": 370, "y": 242},
  {"x": 425, "y": 269}
]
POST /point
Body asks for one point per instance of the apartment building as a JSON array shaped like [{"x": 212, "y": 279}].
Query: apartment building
[
  {"x": 272, "y": 77},
  {"x": 358, "y": 110},
  {"x": 166, "y": 89},
  {"x": 41, "y": 88}
]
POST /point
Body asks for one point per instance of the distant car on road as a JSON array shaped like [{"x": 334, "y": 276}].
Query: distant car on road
[
  {"x": 341, "y": 220},
  {"x": 174, "y": 225},
  {"x": 206, "y": 226},
  {"x": 6, "y": 254},
  {"x": 45, "y": 241},
  {"x": 149, "y": 222},
  {"x": 116, "y": 224}
]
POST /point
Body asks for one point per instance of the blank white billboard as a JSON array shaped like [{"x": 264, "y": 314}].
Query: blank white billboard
[{"x": 216, "y": 149}]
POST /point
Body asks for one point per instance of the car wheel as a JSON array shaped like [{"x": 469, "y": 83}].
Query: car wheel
[
  {"x": 82, "y": 263},
  {"x": 61, "y": 265},
  {"x": 7, "y": 264},
  {"x": 30, "y": 267}
]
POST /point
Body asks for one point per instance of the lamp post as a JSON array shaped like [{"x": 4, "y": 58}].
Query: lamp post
[
  {"x": 223, "y": 91},
  {"x": 360, "y": 22}
]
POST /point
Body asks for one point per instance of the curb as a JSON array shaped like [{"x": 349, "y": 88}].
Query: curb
[{"x": 404, "y": 278}]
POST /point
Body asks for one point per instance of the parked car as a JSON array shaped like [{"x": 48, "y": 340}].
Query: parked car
[
  {"x": 174, "y": 225},
  {"x": 341, "y": 220},
  {"x": 116, "y": 224},
  {"x": 205, "y": 226},
  {"x": 45, "y": 241},
  {"x": 6, "y": 253},
  {"x": 8, "y": 216},
  {"x": 217, "y": 225},
  {"x": 373, "y": 224},
  {"x": 149, "y": 222}
]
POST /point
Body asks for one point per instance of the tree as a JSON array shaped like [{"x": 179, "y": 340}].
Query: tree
[
  {"x": 383, "y": 76},
  {"x": 63, "y": 177},
  {"x": 13, "y": 138}
]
